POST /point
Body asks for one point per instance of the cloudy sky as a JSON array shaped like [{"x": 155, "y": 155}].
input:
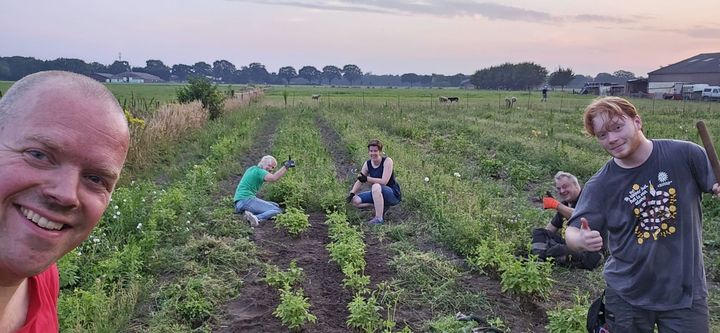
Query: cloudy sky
[{"x": 382, "y": 37}]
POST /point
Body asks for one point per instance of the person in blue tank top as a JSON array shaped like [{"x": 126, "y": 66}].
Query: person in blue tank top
[{"x": 384, "y": 189}]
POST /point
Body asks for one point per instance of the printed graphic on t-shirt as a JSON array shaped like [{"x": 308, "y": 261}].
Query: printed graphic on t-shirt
[{"x": 655, "y": 208}]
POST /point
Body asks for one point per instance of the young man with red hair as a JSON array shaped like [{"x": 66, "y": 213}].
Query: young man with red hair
[{"x": 644, "y": 205}]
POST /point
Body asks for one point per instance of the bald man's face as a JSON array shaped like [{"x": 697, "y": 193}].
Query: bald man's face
[{"x": 60, "y": 157}]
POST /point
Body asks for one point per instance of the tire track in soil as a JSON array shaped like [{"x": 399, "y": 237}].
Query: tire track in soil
[
  {"x": 522, "y": 314},
  {"x": 253, "y": 310}
]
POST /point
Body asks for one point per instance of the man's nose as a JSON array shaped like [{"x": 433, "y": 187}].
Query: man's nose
[{"x": 62, "y": 189}]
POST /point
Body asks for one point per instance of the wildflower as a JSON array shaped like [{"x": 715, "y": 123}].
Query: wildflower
[
  {"x": 427, "y": 179},
  {"x": 139, "y": 226},
  {"x": 456, "y": 175}
]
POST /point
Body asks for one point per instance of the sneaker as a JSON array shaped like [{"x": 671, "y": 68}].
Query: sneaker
[
  {"x": 252, "y": 219},
  {"x": 376, "y": 221}
]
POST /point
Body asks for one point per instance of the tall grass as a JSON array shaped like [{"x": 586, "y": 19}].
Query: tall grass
[{"x": 151, "y": 135}]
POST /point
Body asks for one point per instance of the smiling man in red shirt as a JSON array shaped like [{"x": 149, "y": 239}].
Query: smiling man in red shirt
[{"x": 63, "y": 143}]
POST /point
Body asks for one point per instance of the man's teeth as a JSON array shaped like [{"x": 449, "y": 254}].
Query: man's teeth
[{"x": 41, "y": 221}]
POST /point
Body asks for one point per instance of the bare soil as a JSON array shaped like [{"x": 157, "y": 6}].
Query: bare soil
[{"x": 252, "y": 310}]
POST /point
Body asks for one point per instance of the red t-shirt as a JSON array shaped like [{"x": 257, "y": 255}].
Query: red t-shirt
[{"x": 44, "y": 290}]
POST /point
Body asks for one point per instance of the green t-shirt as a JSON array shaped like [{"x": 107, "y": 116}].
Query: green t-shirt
[{"x": 250, "y": 183}]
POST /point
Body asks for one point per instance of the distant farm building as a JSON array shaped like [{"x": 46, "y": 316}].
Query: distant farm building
[
  {"x": 101, "y": 77},
  {"x": 702, "y": 68},
  {"x": 636, "y": 87},
  {"x": 126, "y": 77},
  {"x": 603, "y": 89}
]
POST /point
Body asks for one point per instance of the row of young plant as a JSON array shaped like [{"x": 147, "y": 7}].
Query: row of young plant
[
  {"x": 311, "y": 185},
  {"x": 113, "y": 281},
  {"x": 473, "y": 215},
  {"x": 293, "y": 310},
  {"x": 433, "y": 287},
  {"x": 347, "y": 250}
]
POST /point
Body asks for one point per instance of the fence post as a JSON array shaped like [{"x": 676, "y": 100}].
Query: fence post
[{"x": 528, "y": 107}]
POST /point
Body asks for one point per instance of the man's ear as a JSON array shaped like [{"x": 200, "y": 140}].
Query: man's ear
[{"x": 638, "y": 122}]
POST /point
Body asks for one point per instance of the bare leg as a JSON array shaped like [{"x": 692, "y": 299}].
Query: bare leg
[
  {"x": 357, "y": 203},
  {"x": 378, "y": 200}
]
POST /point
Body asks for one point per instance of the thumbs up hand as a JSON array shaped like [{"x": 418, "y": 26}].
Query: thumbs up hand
[{"x": 591, "y": 239}]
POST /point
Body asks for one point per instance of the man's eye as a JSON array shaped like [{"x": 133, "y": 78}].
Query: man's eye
[
  {"x": 37, "y": 154},
  {"x": 96, "y": 179}
]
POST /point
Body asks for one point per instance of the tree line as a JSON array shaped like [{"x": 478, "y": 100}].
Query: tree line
[{"x": 508, "y": 76}]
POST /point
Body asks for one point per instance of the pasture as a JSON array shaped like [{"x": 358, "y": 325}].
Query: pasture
[{"x": 169, "y": 255}]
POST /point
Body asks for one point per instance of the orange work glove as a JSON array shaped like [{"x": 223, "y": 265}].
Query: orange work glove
[{"x": 550, "y": 203}]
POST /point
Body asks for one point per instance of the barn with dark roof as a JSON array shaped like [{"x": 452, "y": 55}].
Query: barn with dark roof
[{"x": 702, "y": 68}]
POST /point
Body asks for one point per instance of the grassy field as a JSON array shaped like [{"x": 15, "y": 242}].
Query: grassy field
[
  {"x": 169, "y": 255},
  {"x": 150, "y": 94}
]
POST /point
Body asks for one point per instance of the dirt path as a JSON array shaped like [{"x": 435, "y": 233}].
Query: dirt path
[
  {"x": 520, "y": 313},
  {"x": 252, "y": 310}
]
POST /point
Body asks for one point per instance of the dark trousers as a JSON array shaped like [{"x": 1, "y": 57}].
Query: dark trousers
[{"x": 624, "y": 317}]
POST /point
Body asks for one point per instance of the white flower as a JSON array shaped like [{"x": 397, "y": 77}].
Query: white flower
[
  {"x": 139, "y": 226},
  {"x": 427, "y": 179},
  {"x": 456, "y": 175}
]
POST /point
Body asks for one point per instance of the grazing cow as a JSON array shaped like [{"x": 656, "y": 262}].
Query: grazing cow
[
  {"x": 510, "y": 101},
  {"x": 316, "y": 96},
  {"x": 453, "y": 99},
  {"x": 443, "y": 99}
]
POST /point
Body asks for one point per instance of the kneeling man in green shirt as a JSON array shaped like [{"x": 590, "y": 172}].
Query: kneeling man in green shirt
[{"x": 256, "y": 209}]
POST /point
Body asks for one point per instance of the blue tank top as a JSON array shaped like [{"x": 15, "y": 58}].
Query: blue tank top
[{"x": 378, "y": 173}]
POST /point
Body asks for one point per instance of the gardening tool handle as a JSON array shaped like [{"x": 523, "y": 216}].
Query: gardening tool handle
[{"x": 709, "y": 148}]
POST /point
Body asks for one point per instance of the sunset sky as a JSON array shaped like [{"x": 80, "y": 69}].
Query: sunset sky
[{"x": 382, "y": 37}]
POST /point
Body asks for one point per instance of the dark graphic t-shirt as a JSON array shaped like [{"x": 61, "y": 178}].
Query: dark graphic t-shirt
[{"x": 650, "y": 217}]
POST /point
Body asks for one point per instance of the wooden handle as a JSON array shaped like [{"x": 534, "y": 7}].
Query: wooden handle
[{"x": 709, "y": 148}]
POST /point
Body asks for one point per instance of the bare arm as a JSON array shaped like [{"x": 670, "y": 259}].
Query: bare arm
[
  {"x": 273, "y": 177},
  {"x": 564, "y": 210}
]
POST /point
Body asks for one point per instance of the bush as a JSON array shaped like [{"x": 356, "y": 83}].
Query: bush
[
  {"x": 200, "y": 89},
  {"x": 566, "y": 319},
  {"x": 283, "y": 279},
  {"x": 293, "y": 220},
  {"x": 293, "y": 309}
]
